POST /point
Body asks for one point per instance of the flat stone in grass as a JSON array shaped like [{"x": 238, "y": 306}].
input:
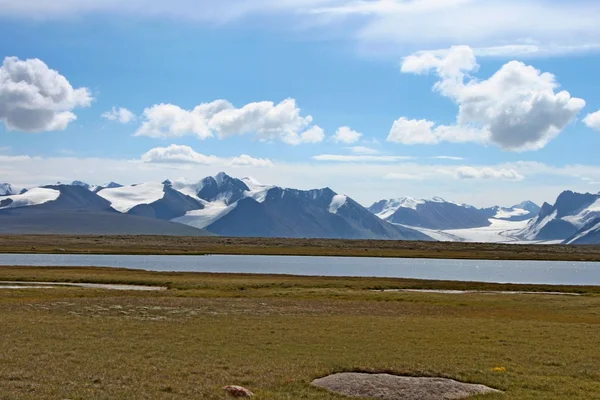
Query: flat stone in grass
[{"x": 391, "y": 387}]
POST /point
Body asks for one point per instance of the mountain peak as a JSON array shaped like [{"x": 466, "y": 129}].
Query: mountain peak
[
  {"x": 6, "y": 189},
  {"x": 80, "y": 183},
  {"x": 222, "y": 177}
]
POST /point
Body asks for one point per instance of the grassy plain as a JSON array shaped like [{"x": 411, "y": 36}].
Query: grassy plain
[
  {"x": 274, "y": 334},
  {"x": 302, "y": 247}
]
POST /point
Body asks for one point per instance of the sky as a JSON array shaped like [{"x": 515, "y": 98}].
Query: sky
[{"x": 482, "y": 102}]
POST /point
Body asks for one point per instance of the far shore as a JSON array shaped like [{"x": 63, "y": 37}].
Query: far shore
[{"x": 175, "y": 245}]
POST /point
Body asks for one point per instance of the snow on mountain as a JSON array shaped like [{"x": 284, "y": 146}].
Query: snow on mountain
[
  {"x": 589, "y": 234},
  {"x": 222, "y": 187},
  {"x": 202, "y": 218},
  {"x": 520, "y": 212},
  {"x": 188, "y": 188},
  {"x": 6, "y": 189},
  {"x": 508, "y": 213},
  {"x": 337, "y": 201},
  {"x": 571, "y": 212},
  {"x": 271, "y": 211},
  {"x": 125, "y": 198},
  {"x": 435, "y": 213},
  {"x": 256, "y": 190},
  {"x": 500, "y": 231},
  {"x": 584, "y": 216},
  {"x": 386, "y": 208},
  {"x": 36, "y": 196}
]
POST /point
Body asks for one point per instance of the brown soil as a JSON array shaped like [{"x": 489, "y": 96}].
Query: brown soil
[{"x": 390, "y": 387}]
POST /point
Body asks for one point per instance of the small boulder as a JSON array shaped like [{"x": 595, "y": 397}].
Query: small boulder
[{"x": 238, "y": 391}]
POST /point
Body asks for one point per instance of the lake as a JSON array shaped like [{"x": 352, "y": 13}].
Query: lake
[{"x": 534, "y": 272}]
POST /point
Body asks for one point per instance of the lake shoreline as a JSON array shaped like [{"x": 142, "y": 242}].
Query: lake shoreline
[
  {"x": 173, "y": 245},
  {"x": 259, "y": 282}
]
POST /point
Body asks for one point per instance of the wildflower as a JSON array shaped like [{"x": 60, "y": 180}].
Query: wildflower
[{"x": 238, "y": 391}]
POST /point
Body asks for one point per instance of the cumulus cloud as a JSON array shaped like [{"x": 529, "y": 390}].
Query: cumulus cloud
[
  {"x": 312, "y": 135},
  {"x": 593, "y": 120},
  {"x": 269, "y": 121},
  {"x": 517, "y": 108},
  {"x": 120, "y": 114},
  {"x": 468, "y": 172},
  {"x": 363, "y": 150},
  {"x": 35, "y": 98},
  {"x": 346, "y": 135},
  {"x": 247, "y": 161},
  {"x": 176, "y": 154},
  {"x": 359, "y": 158},
  {"x": 411, "y": 131}
]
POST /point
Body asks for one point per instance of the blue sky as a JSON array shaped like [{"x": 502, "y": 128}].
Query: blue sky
[{"x": 410, "y": 82}]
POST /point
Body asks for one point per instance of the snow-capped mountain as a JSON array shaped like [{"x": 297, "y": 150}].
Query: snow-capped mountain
[
  {"x": 571, "y": 213},
  {"x": 6, "y": 189},
  {"x": 435, "y": 213},
  {"x": 520, "y": 212},
  {"x": 589, "y": 234},
  {"x": 319, "y": 213},
  {"x": 220, "y": 204},
  {"x": 74, "y": 209}
]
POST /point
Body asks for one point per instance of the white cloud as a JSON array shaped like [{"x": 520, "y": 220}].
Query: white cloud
[
  {"x": 554, "y": 27},
  {"x": 530, "y": 50},
  {"x": 175, "y": 154},
  {"x": 269, "y": 121},
  {"x": 468, "y": 172},
  {"x": 346, "y": 135},
  {"x": 169, "y": 120},
  {"x": 120, "y": 114},
  {"x": 593, "y": 120},
  {"x": 247, "y": 161},
  {"x": 363, "y": 150},
  {"x": 413, "y": 131},
  {"x": 312, "y": 135},
  {"x": 359, "y": 158},
  {"x": 515, "y": 27},
  {"x": 517, "y": 108},
  {"x": 35, "y": 98}
]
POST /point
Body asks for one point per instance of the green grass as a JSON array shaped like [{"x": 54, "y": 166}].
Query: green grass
[{"x": 274, "y": 334}]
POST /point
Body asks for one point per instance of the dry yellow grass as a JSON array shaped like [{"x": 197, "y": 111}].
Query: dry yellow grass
[
  {"x": 274, "y": 335},
  {"x": 43, "y": 244}
]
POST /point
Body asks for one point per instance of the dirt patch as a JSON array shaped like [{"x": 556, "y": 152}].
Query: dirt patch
[{"x": 390, "y": 387}]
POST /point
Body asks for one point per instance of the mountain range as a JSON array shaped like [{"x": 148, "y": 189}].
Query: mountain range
[
  {"x": 218, "y": 204},
  {"x": 228, "y": 206},
  {"x": 439, "y": 214},
  {"x": 574, "y": 218}
]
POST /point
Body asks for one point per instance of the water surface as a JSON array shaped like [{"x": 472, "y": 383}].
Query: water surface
[{"x": 534, "y": 272}]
